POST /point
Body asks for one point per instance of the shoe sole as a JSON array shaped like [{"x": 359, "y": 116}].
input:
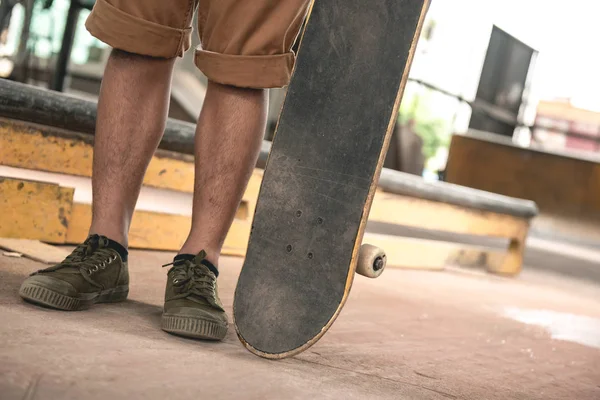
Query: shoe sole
[
  {"x": 41, "y": 295},
  {"x": 193, "y": 327}
]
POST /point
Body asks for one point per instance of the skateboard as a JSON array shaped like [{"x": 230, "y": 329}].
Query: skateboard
[{"x": 320, "y": 178}]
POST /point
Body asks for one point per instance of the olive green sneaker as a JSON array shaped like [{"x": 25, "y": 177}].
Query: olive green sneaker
[
  {"x": 92, "y": 273},
  {"x": 192, "y": 306}
]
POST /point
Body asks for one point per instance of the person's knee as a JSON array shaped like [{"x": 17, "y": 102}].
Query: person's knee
[
  {"x": 225, "y": 88},
  {"x": 127, "y": 56}
]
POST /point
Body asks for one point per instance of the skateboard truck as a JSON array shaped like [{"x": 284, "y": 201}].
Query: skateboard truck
[{"x": 371, "y": 261}]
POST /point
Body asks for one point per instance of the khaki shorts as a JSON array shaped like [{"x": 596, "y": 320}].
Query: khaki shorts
[{"x": 244, "y": 43}]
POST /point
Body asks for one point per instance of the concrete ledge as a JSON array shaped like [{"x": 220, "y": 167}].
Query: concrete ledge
[
  {"x": 405, "y": 200},
  {"x": 34, "y": 105},
  {"x": 414, "y": 186}
]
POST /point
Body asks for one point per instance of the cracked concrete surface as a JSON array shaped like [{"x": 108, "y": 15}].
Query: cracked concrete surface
[{"x": 406, "y": 335}]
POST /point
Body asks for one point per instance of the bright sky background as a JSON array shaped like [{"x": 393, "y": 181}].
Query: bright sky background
[{"x": 565, "y": 32}]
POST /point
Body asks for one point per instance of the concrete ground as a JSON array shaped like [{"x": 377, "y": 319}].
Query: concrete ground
[{"x": 407, "y": 335}]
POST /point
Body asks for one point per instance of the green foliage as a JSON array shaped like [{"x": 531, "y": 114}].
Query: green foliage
[
  {"x": 416, "y": 112},
  {"x": 432, "y": 133}
]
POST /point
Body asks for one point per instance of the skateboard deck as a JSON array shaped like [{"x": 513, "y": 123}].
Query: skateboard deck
[{"x": 322, "y": 172}]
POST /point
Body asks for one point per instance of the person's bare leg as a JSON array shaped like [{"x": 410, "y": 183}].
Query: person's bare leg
[
  {"x": 132, "y": 113},
  {"x": 228, "y": 137}
]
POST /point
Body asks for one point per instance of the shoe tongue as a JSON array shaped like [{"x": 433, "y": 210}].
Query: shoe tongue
[
  {"x": 199, "y": 257},
  {"x": 97, "y": 241},
  {"x": 183, "y": 257}
]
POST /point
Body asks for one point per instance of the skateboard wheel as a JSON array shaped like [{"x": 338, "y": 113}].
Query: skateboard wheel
[{"x": 371, "y": 261}]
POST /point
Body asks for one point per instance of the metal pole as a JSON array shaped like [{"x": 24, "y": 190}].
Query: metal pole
[
  {"x": 20, "y": 60},
  {"x": 62, "y": 62}
]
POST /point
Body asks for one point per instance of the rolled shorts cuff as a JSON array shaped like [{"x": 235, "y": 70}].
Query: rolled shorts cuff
[
  {"x": 257, "y": 72},
  {"x": 135, "y": 35}
]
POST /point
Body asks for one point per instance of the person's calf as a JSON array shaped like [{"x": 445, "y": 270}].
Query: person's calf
[
  {"x": 228, "y": 137},
  {"x": 229, "y": 133},
  {"x": 132, "y": 113}
]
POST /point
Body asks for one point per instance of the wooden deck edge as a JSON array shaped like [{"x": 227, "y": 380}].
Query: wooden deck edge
[
  {"x": 46, "y": 212},
  {"x": 157, "y": 231},
  {"x": 160, "y": 231},
  {"x": 427, "y": 214},
  {"x": 34, "y": 147},
  {"x": 34, "y": 210}
]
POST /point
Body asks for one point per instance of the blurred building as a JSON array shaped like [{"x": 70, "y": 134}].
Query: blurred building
[{"x": 561, "y": 126}]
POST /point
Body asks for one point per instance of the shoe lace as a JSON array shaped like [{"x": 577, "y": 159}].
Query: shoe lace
[
  {"x": 190, "y": 279},
  {"x": 90, "y": 256},
  {"x": 78, "y": 254},
  {"x": 96, "y": 261}
]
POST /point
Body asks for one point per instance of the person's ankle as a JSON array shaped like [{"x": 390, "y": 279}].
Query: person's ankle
[
  {"x": 118, "y": 237},
  {"x": 116, "y": 245},
  {"x": 212, "y": 255}
]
